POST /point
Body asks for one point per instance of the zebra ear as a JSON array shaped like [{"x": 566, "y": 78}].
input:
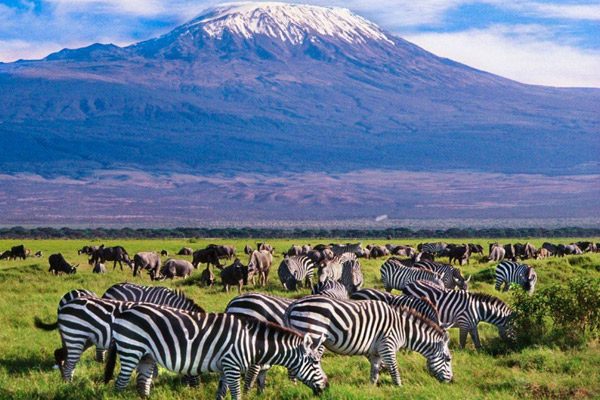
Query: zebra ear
[
  {"x": 321, "y": 340},
  {"x": 307, "y": 341}
]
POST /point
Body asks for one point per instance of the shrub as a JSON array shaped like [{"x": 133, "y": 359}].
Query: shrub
[{"x": 563, "y": 315}]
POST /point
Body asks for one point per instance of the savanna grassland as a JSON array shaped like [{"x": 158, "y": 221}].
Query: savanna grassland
[{"x": 26, "y": 354}]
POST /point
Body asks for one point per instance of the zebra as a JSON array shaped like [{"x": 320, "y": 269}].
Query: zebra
[
  {"x": 265, "y": 308},
  {"x": 151, "y": 294},
  {"x": 354, "y": 248},
  {"x": 422, "y": 305},
  {"x": 191, "y": 343},
  {"x": 508, "y": 272},
  {"x": 451, "y": 276},
  {"x": 345, "y": 269},
  {"x": 374, "y": 329},
  {"x": 294, "y": 270},
  {"x": 395, "y": 275},
  {"x": 435, "y": 249},
  {"x": 331, "y": 288},
  {"x": 465, "y": 310},
  {"x": 86, "y": 321},
  {"x": 74, "y": 294}
]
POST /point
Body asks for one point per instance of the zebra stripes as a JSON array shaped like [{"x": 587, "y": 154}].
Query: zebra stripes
[
  {"x": 294, "y": 270},
  {"x": 332, "y": 289},
  {"x": 86, "y": 321},
  {"x": 190, "y": 343},
  {"x": 451, "y": 276},
  {"x": 422, "y": 305},
  {"x": 265, "y": 308},
  {"x": 464, "y": 310},
  {"x": 374, "y": 329},
  {"x": 354, "y": 248},
  {"x": 345, "y": 269},
  {"x": 151, "y": 294},
  {"x": 435, "y": 249},
  {"x": 396, "y": 275},
  {"x": 74, "y": 294},
  {"x": 508, "y": 272}
]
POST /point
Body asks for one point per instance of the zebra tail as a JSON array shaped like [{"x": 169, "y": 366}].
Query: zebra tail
[
  {"x": 111, "y": 361},
  {"x": 42, "y": 325}
]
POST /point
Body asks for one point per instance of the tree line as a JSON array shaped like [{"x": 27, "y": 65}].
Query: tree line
[{"x": 18, "y": 232}]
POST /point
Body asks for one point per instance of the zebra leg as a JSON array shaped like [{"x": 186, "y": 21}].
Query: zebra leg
[
  {"x": 232, "y": 378},
  {"x": 375, "y": 360},
  {"x": 463, "y": 337},
  {"x": 251, "y": 376},
  {"x": 145, "y": 370},
  {"x": 262, "y": 380},
  {"x": 73, "y": 354},
  {"x": 129, "y": 362},
  {"x": 388, "y": 354},
  {"x": 475, "y": 337},
  {"x": 222, "y": 388}
]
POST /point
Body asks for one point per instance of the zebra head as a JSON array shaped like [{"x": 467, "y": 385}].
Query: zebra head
[
  {"x": 308, "y": 368},
  {"x": 440, "y": 362},
  {"x": 460, "y": 281},
  {"x": 506, "y": 328},
  {"x": 529, "y": 280},
  {"x": 325, "y": 273}
]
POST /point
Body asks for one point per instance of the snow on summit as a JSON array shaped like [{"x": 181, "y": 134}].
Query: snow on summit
[{"x": 291, "y": 23}]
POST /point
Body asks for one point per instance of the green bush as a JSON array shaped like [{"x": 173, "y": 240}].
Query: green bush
[{"x": 562, "y": 315}]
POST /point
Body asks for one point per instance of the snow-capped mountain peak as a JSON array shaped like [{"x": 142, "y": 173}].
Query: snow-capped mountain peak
[{"x": 290, "y": 23}]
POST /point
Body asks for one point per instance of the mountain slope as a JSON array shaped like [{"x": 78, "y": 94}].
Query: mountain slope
[{"x": 273, "y": 88}]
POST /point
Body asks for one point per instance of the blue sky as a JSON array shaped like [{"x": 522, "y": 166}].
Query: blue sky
[{"x": 543, "y": 42}]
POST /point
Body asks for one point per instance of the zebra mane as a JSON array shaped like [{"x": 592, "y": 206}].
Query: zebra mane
[
  {"x": 256, "y": 323},
  {"x": 486, "y": 298},
  {"x": 179, "y": 294},
  {"x": 424, "y": 320}
]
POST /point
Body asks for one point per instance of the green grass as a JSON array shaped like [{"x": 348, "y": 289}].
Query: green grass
[{"x": 26, "y": 354}]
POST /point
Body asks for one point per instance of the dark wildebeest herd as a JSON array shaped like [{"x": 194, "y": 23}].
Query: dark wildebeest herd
[{"x": 147, "y": 326}]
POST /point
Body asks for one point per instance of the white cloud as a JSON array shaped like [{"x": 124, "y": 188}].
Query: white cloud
[
  {"x": 522, "y": 53},
  {"x": 589, "y": 11}
]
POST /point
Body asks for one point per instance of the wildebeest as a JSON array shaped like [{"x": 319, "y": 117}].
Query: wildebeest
[
  {"x": 223, "y": 250},
  {"x": 234, "y": 274},
  {"x": 247, "y": 249},
  {"x": 260, "y": 264},
  {"x": 117, "y": 254},
  {"x": 185, "y": 251},
  {"x": 319, "y": 256},
  {"x": 587, "y": 246},
  {"x": 99, "y": 268},
  {"x": 569, "y": 249},
  {"x": 58, "y": 265},
  {"x": 264, "y": 247},
  {"x": 542, "y": 253},
  {"x": 510, "y": 252},
  {"x": 459, "y": 253},
  {"x": 401, "y": 250},
  {"x": 89, "y": 250},
  {"x": 552, "y": 248},
  {"x": 6, "y": 255},
  {"x": 207, "y": 278},
  {"x": 18, "y": 252},
  {"x": 206, "y": 256},
  {"x": 476, "y": 249},
  {"x": 376, "y": 251},
  {"x": 174, "y": 268},
  {"x": 146, "y": 260}
]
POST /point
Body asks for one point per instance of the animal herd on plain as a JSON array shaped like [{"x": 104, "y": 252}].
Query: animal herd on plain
[{"x": 147, "y": 326}]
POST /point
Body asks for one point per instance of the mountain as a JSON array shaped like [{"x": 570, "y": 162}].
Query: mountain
[{"x": 278, "y": 90}]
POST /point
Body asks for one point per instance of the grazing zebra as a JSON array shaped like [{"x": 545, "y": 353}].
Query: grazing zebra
[
  {"x": 508, "y": 272},
  {"x": 265, "y": 308},
  {"x": 151, "y": 294},
  {"x": 374, "y": 329},
  {"x": 331, "y": 288},
  {"x": 451, "y": 276},
  {"x": 294, "y": 270},
  {"x": 345, "y": 269},
  {"x": 435, "y": 249},
  {"x": 465, "y": 310},
  {"x": 422, "y": 306},
  {"x": 191, "y": 343},
  {"x": 86, "y": 321},
  {"x": 396, "y": 275}
]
